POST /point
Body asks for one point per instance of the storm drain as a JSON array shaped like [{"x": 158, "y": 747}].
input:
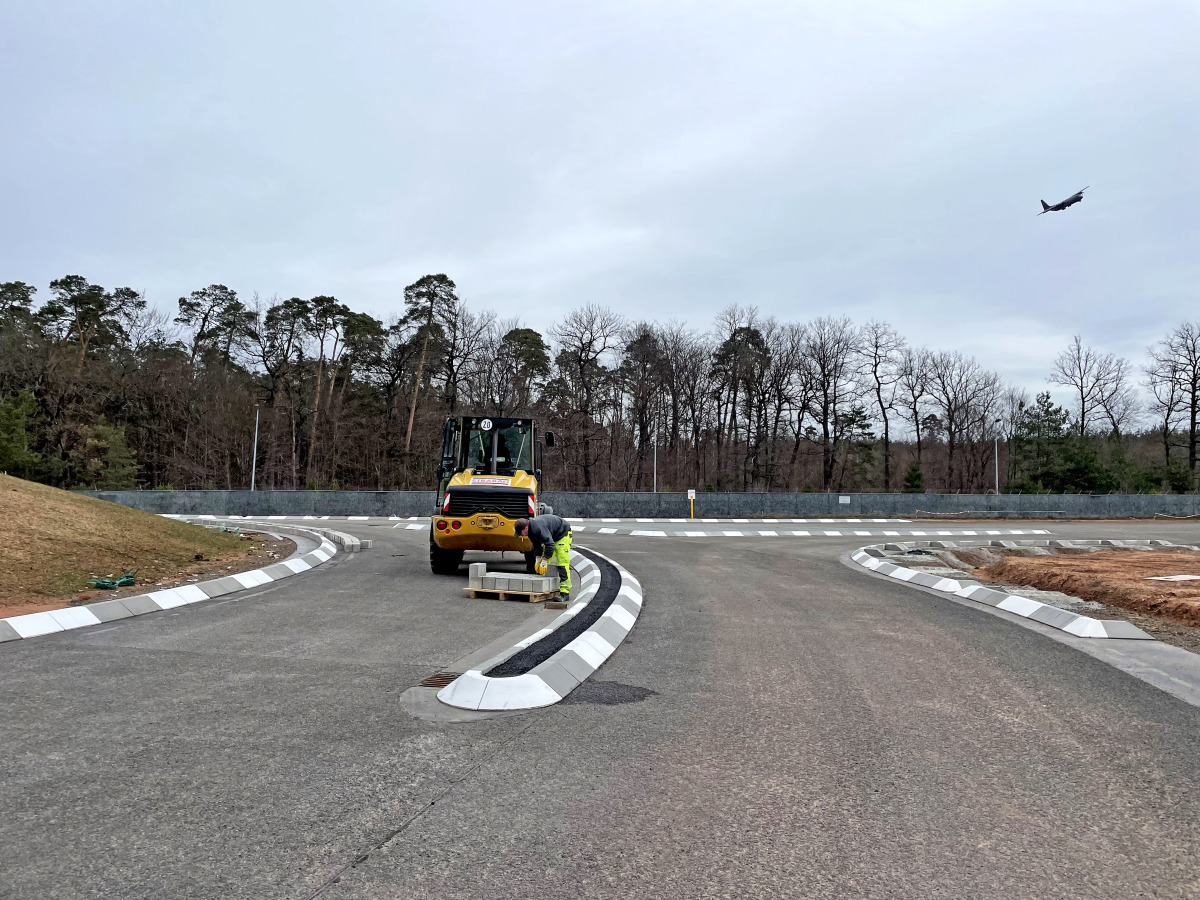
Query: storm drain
[{"x": 440, "y": 680}]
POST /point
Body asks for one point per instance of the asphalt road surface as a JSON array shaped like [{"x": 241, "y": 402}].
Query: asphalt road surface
[{"x": 777, "y": 724}]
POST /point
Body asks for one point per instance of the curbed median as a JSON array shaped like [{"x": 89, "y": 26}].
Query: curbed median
[
  {"x": 545, "y": 667},
  {"x": 880, "y": 560}
]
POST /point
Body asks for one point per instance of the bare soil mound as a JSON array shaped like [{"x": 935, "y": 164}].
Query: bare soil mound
[
  {"x": 54, "y": 541},
  {"x": 1114, "y": 578}
]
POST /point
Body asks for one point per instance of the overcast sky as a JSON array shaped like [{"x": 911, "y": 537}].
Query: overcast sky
[{"x": 874, "y": 159}]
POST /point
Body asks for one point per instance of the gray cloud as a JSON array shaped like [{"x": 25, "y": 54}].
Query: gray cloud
[{"x": 665, "y": 159}]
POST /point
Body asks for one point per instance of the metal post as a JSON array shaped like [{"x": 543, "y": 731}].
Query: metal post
[
  {"x": 996, "y": 461},
  {"x": 656, "y": 460},
  {"x": 254, "y": 455},
  {"x": 996, "y": 456}
]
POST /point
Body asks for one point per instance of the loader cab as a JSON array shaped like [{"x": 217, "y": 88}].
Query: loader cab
[
  {"x": 489, "y": 476},
  {"x": 490, "y": 446}
]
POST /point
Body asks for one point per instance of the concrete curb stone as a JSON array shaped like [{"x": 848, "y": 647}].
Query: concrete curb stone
[
  {"x": 552, "y": 680},
  {"x": 110, "y": 610},
  {"x": 71, "y": 617},
  {"x": 1062, "y": 619}
]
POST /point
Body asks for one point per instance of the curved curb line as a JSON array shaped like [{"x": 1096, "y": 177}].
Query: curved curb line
[
  {"x": 1080, "y": 626},
  {"x": 51, "y": 621},
  {"x": 549, "y": 682},
  {"x": 347, "y": 542}
]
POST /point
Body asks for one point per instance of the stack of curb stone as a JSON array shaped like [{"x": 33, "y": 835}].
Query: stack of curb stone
[
  {"x": 548, "y": 682},
  {"x": 875, "y": 559},
  {"x": 478, "y": 579},
  {"x": 55, "y": 620}
]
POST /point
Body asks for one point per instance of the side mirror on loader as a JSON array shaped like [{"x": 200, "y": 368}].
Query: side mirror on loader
[{"x": 549, "y": 438}]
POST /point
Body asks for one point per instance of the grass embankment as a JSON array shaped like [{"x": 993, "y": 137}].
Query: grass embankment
[{"x": 52, "y": 542}]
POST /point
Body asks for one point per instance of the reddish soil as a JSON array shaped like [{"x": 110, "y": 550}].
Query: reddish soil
[{"x": 1114, "y": 578}]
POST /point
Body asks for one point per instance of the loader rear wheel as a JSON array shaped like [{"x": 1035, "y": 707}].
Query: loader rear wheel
[
  {"x": 442, "y": 561},
  {"x": 530, "y": 562}
]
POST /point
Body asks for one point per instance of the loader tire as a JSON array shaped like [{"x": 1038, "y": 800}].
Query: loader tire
[{"x": 443, "y": 562}]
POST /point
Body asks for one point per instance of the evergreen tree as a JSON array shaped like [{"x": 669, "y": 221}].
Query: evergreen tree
[
  {"x": 17, "y": 429},
  {"x": 914, "y": 479}
]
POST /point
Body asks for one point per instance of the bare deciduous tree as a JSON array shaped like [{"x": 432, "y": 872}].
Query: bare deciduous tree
[
  {"x": 1099, "y": 384},
  {"x": 882, "y": 352},
  {"x": 964, "y": 395},
  {"x": 587, "y": 336},
  {"x": 914, "y": 385},
  {"x": 1175, "y": 368},
  {"x": 832, "y": 357}
]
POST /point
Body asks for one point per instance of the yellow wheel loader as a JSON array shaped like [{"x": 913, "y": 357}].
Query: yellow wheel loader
[{"x": 490, "y": 476}]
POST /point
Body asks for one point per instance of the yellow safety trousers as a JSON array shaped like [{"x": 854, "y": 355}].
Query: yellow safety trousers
[{"x": 562, "y": 561}]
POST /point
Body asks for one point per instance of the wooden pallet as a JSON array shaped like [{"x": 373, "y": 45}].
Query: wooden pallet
[{"x": 511, "y": 595}]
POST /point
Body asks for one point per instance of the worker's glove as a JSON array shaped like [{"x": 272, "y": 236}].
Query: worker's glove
[{"x": 541, "y": 566}]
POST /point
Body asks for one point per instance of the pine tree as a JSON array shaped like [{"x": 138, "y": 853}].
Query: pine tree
[{"x": 914, "y": 479}]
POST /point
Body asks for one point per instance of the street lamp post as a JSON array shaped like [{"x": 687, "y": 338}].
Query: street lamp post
[
  {"x": 996, "y": 455},
  {"x": 254, "y": 453},
  {"x": 656, "y": 460}
]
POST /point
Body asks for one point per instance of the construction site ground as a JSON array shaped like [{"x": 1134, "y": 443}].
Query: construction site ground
[{"x": 1118, "y": 580}]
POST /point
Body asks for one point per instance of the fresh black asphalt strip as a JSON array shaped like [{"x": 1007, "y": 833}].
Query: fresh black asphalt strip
[{"x": 535, "y": 654}]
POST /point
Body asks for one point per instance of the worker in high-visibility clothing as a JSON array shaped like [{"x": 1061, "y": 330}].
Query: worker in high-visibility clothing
[{"x": 551, "y": 539}]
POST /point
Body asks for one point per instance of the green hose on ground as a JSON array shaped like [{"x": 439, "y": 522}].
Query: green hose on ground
[{"x": 127, "y": 579}]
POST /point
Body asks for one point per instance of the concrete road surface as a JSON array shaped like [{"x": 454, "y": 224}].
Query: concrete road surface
[{"x": 776, "y": 725}]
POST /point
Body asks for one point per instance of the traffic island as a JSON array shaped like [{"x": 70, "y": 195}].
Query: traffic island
[
  {"x": 976, "y": 571},
  {"x": 545, "y": 667}
]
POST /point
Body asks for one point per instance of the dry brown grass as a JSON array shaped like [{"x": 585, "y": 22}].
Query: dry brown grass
[{"x": 53, "y": 541}]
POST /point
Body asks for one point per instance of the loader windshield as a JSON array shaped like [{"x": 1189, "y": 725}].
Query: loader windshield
[{"x": 502, "y": 449}]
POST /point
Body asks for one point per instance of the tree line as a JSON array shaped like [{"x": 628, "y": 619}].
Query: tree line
[{"x": 99, "y": 389}]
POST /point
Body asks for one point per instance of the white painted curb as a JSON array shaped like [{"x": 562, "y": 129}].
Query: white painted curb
[
  {"x": 54, "y": 620},
  {"x": 347, "y": 542},
  {"x": 552, "y": 680},
  {"x": 1081, "y": 626}
]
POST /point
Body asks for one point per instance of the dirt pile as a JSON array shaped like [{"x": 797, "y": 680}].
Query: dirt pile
[{"x": 1114, "y": 578}]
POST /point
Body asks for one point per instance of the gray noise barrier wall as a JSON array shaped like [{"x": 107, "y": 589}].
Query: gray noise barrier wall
[{"x": 602, "y": 504}]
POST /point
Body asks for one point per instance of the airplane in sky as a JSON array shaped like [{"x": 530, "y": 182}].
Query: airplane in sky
[{"x": 1059, "y": 207}]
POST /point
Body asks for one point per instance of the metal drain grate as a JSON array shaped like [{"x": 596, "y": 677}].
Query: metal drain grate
[{"x": 441, "y": 679}]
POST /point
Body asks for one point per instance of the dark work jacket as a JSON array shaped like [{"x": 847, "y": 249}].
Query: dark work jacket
[{"x": 545, "y": 531}]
